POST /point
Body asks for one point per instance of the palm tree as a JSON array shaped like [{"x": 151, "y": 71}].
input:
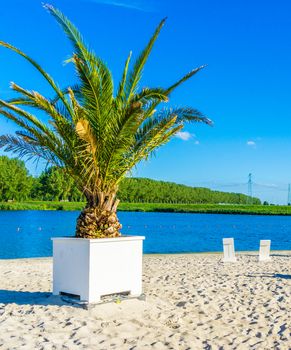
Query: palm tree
[{"x": 97, "y": 134}]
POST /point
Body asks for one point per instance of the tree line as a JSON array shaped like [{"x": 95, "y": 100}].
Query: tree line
[
  {"x": 134, "y": 190},
  {"x": 16, "y": 184}
]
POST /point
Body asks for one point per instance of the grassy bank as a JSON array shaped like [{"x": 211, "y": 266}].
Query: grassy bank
[
  {"x": 156, "y": 207},
  {"x": 41, "y": 205}
]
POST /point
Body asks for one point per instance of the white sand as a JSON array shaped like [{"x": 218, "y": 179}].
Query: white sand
[{"x": 193, "y": 302}]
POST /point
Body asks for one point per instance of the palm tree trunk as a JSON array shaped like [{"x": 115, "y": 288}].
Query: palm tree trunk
[{"x": 99, "y": 219}]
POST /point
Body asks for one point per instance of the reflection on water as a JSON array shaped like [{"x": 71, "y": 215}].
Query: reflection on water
[{"x": 28, "y": 233}]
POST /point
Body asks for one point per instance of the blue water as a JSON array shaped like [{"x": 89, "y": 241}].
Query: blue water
[{"x": 27, "y": 233}]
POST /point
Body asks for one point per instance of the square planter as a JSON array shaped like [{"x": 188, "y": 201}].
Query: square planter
[{"x": 91, "y": 268}]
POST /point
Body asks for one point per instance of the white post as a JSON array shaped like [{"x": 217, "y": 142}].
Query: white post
[
  {"x": 228, "y": 250},
  {"x": 265, "y": 246}
]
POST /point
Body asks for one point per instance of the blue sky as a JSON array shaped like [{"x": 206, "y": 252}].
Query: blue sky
[{"x": 245, "y": 89}]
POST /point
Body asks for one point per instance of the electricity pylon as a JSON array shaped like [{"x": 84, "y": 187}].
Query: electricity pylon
[{"x": 250, "y": 190}]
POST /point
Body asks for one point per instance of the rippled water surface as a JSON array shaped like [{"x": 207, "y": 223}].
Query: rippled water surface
[{"x": 27, "y": 233}]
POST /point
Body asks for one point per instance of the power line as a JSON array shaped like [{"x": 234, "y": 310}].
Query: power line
[{"x": 250, "y": 190}]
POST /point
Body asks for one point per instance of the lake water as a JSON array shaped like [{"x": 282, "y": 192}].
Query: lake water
[{"x": 27, "y": 233}]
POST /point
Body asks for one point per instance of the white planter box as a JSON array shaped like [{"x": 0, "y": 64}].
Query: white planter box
[{"x": 91, "y": 268}]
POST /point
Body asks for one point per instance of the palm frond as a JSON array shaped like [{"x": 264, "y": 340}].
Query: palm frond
[
  {"x": 27, "y": 149},
  {"x": 40, "y": 69},
  {"x": 29, "y": 122},
  {"x": 65, "y": 91},
  {"x": 184, "y": 78},
  {"x": 23, "y": 101},
  {"x": 188, "y": 115},
  {"x": 90, "y": 68},
  {"x": 148, "y": 95},
  {"x": 120, "y": 97},
  {"x": 85, "y": 133},
  {"x": 71, "y": 31},
  {"x": 135, "y": 74}
]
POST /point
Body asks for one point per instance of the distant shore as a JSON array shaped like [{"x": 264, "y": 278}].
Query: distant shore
[{"x": 157, "y": 207}]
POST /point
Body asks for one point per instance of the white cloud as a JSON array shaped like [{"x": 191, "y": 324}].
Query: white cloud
[
  {"x": 251, "y": 143},
  {"x": 197, "y": 142},
  {"x": 184, "y": 135}
]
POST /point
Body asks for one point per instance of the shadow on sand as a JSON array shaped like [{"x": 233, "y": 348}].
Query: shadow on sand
[
  {"x": 282, "y": 255},
  {"x": 256, "y": 255},
  {"x": 270, "y": 275},
  {"x": 31, "y": 298}
]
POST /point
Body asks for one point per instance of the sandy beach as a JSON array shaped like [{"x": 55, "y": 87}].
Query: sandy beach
[{"x": 193, "y": 301}]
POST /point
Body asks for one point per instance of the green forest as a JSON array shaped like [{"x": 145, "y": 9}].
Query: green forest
[{"x": 16, "y": 184}]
